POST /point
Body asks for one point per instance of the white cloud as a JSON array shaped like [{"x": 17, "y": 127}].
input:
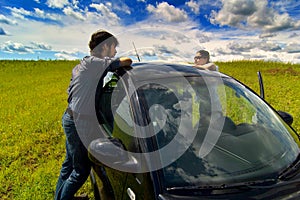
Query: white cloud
[
  {"x": 292, "y": 48},
  {"x": 5, "y": 20},
  {"x": 17, "y": 47},
  {"x": 167, "y": 12},
  {"x": 75, "y": 3},
  {"x": 202, "y": 37},
  {"x": 158, "y": 41},
  {"x": 14, "y": 47},
  {"x": 106, "y": 13},
  {"x": 252, "y": 47},
  {"x": 268, "y": 19},
  {"x": 240, "y": 7},
  {"x": 70, "y": 12},
  {"x": 293, "y": 34},
  {"x": 57, "y": 3},
  {"x": 65, "y": 56},
  {"x": 252, "y": 14},
  {"x": 119, "y": 5},
  {"x": 233, "y": 12},
  {"x": 40, "y": 46},
  {"x": 194, "y": 6},
  {"x": 267, "y": 35},
  {"x": 21, "y": 13},
  {"x": 168, "y": 53},
  {"x": 41, "y": 14}
]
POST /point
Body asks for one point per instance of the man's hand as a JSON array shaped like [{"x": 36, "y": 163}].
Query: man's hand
[{"x": 125, "y": 61}]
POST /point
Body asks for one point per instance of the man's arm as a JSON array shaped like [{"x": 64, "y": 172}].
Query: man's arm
[
  {"x": 119, "y": 62},
  {"x": 208, "y": 66}
]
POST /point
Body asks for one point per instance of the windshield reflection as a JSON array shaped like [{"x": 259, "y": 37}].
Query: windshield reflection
[{"x": 252, "y": 144}]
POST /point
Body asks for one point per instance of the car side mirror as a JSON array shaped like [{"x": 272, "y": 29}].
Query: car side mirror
[
  {"x": 111, "y": 152},
  {"x": 287, "y": 118}
]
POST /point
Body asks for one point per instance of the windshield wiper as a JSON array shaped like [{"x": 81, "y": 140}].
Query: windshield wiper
[
  {"x": 291, "y": 170},
  {"x": 224, "y": 188}
]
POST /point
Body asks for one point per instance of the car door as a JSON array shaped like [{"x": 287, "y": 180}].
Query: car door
[
  {"x": 113, "y": 113},
  {"x": 139, "y": 186}
]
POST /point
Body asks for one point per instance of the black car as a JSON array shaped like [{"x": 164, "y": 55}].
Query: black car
[{"x": 176, "y": 132}]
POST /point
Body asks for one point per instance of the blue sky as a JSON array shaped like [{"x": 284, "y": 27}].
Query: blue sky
[{"x": 168, "y": 30}]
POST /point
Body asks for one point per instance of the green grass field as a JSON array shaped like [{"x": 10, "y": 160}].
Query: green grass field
[{"x": 33, "y": 99}]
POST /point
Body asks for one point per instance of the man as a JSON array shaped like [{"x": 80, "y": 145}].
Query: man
[
  {"x": 82, "y": 89},
  {"x": 201, "y": 61},
  {"x": 210, "y": 106}
]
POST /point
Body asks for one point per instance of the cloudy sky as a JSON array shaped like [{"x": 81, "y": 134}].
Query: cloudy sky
[{"x": 172, "y": 30}]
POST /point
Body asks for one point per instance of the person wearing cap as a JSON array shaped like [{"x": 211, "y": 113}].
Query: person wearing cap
[
  {"x": 202, "y": 61},
  {"x": 81, "y": 101}
]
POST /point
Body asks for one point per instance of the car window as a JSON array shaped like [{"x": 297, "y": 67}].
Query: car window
[
  {"x": 105, "y": 107},
  {"x": 241, "y": 136},
  {"x": 163, "y": 105},
  {"x": 114, "y": 112}
]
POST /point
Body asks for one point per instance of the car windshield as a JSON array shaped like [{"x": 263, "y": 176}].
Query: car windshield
[{"x": 223, "y": 133}]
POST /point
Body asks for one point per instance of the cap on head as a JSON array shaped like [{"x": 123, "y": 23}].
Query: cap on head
[
  {"x": 203, "y": 53},
  {"x": 101, "y": 37}
]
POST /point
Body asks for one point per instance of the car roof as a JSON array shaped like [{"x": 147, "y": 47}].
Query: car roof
[{"x": 144, "y": 71}]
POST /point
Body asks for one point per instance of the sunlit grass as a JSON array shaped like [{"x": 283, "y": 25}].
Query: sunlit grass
[
  {"x": 32, "y": 100},
  {"x": 281, "y": 81}
]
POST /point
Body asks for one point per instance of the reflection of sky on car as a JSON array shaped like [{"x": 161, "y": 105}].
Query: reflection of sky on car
[
  {"x": 245, "y": 148},
  {"x": 124, "y": 112}
]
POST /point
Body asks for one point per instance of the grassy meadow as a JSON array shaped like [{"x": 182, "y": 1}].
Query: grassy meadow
[{"x": 33, "y": 99}]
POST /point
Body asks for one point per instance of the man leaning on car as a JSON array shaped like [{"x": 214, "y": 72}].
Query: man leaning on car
[{"x": 85, "y": 77}]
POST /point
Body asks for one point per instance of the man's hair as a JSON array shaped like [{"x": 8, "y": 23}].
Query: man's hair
[
  {"x": 102, "y": 37},
  {"x": 204, "y": 53}
]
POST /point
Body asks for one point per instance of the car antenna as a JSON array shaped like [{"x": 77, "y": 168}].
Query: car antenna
[
  {"x": 261, "y": 85},
  {"x": 137, "y": 55}
]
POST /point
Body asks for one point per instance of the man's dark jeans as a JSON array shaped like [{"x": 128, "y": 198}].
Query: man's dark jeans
[{"x": 76, "y": 166}]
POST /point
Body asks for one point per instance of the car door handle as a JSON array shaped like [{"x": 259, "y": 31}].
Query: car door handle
[{"x": 131, "y": 194}]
